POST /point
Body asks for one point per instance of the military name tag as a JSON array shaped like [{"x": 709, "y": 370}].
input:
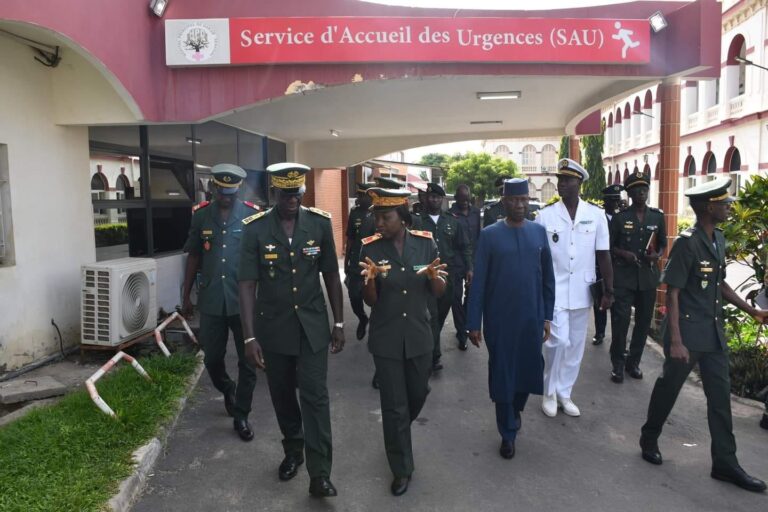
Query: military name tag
[
  {"x": 651, "y": 228},
  {"x": 271, "y": 256},
  {"x": 207, "y": 232},
  {"x": 629, "y": 225},
  {"x": 585, "y": 222}
]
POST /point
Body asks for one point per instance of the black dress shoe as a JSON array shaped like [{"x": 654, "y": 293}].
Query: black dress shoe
[
  {"x": 243, "y": 429},
  {"x": 463, "y": 344},
  {"x": 399, "y": 485},
  {"x": 375, "y": 382},
  {"x": 650, "y": 451},
  {"x": 360, "y": 333},
  {"x": 518, "y": 421},
  {"x": 507, "y": 449},
  {"x": 764, "y": 421},
  {"x": 634, "y": 371},
  {"x": 617, "y": 374},
  {"x": 739, "y": 477},
  {"x": 437, "y": 366},
  {"x": 290, "y": 466},
  {"x": 597, "y": 339},
  {"x": 321, "y": 487},
  {"x": 229, "y": 403}
]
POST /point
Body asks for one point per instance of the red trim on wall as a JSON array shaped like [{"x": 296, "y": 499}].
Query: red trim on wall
[{"x": 733, "y": 8}]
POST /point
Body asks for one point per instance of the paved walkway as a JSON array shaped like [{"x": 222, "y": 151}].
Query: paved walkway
[{"x": 575, "y": 464}]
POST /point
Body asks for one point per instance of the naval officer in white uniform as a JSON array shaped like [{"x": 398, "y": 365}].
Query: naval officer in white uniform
[{"x": 578, "y": 234}]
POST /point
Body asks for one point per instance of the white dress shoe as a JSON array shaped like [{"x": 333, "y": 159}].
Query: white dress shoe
[
  {"x": 569, "y": 407},
  {"x": 549, "y": 406}
]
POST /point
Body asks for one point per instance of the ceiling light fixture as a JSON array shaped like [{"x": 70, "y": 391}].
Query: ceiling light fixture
[
  {"x": 158, "y": 7},
  {"x": 334, "y": 133},
  {"x": 194, "y": 141},
  {"x": 658, "y": 21},
  {"x": 486, "y": 122},
  {"x": 499, "y": 95}
]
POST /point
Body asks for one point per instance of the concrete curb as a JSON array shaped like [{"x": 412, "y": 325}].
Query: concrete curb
[
  {"x": 694, "y": 378},
  {"x": 37, "y": 404},
  {"x": 146, "y": 456}
]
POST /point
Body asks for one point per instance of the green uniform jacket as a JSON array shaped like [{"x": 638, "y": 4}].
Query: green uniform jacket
[
  {"x": 400, "y": 327},
  {"x": 354, "y": 232},
  {"x": 629, "y": 234},
  {"x": 218, "y": 243},
  {"x": 451, "y": 238},
  {"x": 289, "y": 295},
  {"x": 492, "y": 213},
  {"x": 698, "y": 270}
]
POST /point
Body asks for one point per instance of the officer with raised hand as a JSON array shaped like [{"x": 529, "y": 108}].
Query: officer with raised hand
[{"x": 213, "y": 246}]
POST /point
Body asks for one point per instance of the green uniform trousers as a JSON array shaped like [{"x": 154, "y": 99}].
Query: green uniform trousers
[
  {"x": 621, "y": 313},
  {"x": 439, "y": 307},
  {"x": 717, "y": 388},
  {"x": 307, "y": 427},
  {"x": 214, "y": 332},
  {"x": 403, "y": 389},
  {"x": 355, "y": 291}
]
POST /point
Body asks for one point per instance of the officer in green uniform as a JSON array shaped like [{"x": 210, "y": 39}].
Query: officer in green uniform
[
  {"x": 611, "y": 199},
  {"x": 402, "y": 272},
  {"x": 495, "y": 211},
  {"x": 694, "y": 333},
  {"x": 453, "y": 246},
  {"x": 367, "y": 228},
  {"x": 357, "y": 216},
  {"x": 638, "y": 239},
  {"x": 285, "y": 319},
  {"x": 214, "y": 243}
]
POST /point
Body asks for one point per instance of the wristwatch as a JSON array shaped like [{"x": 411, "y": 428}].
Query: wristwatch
[{"x": 339, "y": 325}]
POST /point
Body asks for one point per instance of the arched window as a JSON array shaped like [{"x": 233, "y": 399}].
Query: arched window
[
  {"x": 528, "y": 160},
  {"x": 732, "y": 162},
  {"x": 656, "y": 173},
  {"x": 548, "y": 158},
  {"x": 647, "y": 170},
  {"x": 122, "y": 183},
  {"x": 548, "y": 190},
  {"x": 648, "y": 101},
  {"x": 737, "y": 69},
  {"x": 99, "y": 182},
  {"x": 689, "y": 166},
  {"x": 626, "y": 174},
  {"x": 635, "y": 170},
  {"x": 610, "y": 120},
  {"x": 709, "y": 164},
  {"x": 502, "y": 151},
  {"x": 617, "y": 178}
]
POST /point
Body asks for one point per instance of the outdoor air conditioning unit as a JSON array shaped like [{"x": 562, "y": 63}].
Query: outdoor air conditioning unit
[{"x": 119, "y": 300}]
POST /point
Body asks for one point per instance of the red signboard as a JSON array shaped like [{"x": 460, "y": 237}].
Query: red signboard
[{"x": 347, "y": 39}]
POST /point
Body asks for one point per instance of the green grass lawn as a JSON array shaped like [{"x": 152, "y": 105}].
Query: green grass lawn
[{"x": 71, "y": 456}]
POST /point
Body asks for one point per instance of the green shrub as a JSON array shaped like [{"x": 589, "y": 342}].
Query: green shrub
[
  {"x": 683, "y": 223},
  {"x": 111, "y": 234}
]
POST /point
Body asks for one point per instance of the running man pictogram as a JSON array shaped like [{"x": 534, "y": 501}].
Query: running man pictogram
[{"x": 623, "y": 35}]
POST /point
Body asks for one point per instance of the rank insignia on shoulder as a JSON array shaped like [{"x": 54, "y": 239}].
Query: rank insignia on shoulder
[
  {"x": 687, "y": 233},
  {"x": 423, "y": 234},
  {"x": 200, "y": 205},
  {"x": 318, "y": 211},
  {"x": 253, "y": 217},
  {"x": 251, "y": 205},
  {"x": 369, "y": 239}
]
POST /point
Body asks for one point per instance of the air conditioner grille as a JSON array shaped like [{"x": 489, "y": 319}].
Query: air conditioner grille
[{"x": 135, "y": 303}]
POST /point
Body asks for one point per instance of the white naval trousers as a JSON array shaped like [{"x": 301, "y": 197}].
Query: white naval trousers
[{"x": 564, "y": 350}]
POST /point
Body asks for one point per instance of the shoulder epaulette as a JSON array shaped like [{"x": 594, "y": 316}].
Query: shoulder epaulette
[
  {"x": 655, "y": 209},
  {"x": 318, "y": 211},
  {"x": 254, "y": 206},
  {"x": 423, "y": 234},
  {"x": 200, "y": 205},
  {"x": 254, "y": 217},
  {"x": 369, "y": 239},
  {"x": 548, "y": 205},
  {"x": 688, "y": 232}
]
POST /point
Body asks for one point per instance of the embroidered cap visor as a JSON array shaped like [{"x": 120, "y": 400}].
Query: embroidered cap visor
[
  {"x": 288, "y": 177},
  {"x": 386, "y": 199}
]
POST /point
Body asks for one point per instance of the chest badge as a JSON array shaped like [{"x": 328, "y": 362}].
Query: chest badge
[
  {"x": 311, "y": 249},
  {"x": 207, "y": 245},
  {"x": 555, "y": 237},
  {"x": 384, "y": 267},
  {"x": 270, "y": 247},
  {"x": 271, "y": 272},
  {"x": 704, "y": 284}
]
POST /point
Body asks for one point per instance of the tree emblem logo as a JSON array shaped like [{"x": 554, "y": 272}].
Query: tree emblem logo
[{"x": 197, "y": 42}]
